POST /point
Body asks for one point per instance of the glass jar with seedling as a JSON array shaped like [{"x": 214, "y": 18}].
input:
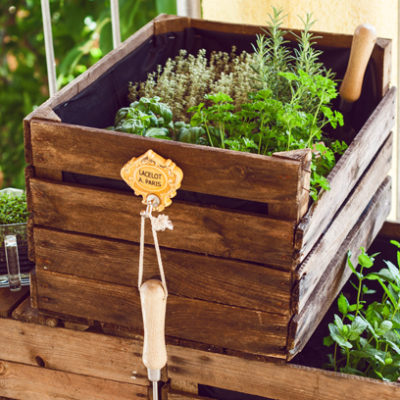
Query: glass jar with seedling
[{"x": 14, "y": 263}]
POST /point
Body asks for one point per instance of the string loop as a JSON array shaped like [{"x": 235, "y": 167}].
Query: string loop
[{"x": 159, "y": 223}]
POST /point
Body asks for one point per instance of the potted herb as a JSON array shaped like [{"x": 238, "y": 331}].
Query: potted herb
[
  {"x": 269, "y": 101},
  {"x": 13, "y": 239}
]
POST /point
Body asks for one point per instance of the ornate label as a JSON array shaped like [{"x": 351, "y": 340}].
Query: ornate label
[{"x": 152, "y": 174}]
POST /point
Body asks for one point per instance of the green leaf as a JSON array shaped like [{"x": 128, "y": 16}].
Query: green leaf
[
  {"x": 159, "y": 133},
  {"x": 385, "y": 326},
  {"x": 388, "y": 292},
  {"x": 396, "y": 243},
  {"x": 343, "y": 304},
  {"x": 364, "y": 260},
  {"x": 393, "y": 271},
  {"x": 357, "y": 327},
  {"x": 338, "y": 338},
  {"x": 338, "y": 322},
  {"x": 328, "y": 341}
]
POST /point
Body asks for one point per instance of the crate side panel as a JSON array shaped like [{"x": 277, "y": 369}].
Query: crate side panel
[
  {"x": 346, "y": 173},
  {"x": 220, "y": 172},
  {"x": 26, "y": 382},
  {"x": 337, "y": 273},
  {"x": 190, "y": 275},
  {"x": 195, "y": 320},
  {"x": 316, "y": 263},
  {"x": 198, "y": 229},
  {"x": 271, "y": 379},
  {"x": 84, "y": 353}
]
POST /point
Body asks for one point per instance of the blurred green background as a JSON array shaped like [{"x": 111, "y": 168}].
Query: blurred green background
[{"x": 81, "y": 35}]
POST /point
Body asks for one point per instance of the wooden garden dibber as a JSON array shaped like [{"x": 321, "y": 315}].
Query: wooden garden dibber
[
  {"x": 361, "y": 49},
  {"x": 154, "y": 303}
]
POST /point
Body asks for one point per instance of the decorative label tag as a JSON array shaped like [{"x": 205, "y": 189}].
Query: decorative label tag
[{"x": 151, "y": 174}]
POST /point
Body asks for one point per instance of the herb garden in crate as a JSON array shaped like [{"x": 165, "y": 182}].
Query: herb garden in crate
[{"x": 252, "y": 263}]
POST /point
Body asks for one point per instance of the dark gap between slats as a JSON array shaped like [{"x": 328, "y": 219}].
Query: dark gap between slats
[{"x": 182, "y": 195}]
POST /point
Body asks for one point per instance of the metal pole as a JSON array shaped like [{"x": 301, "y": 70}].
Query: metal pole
[
  {"x": 48, "y": 43},
  {"x": 116, "y": 32},
  {"x": 188, "y": 8},
  {"x": 397, "y": 128}
]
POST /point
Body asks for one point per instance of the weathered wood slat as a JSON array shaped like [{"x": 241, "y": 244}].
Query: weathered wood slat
[
  {"x": 336, "y": 273},
  {"x": 295, "y": 211},
  {"x": 269, "y": 379},
  {"x": 83, "y": 353},
  {"x": 316, "y": 263},
  {"x": 190, "y": 275},
  {"x": 211, "y": 323},
  {"x": 274, "y": 380},
  {"x": 197, "y": 229},
  {"x": 346, "y": 173},
  {"x": 215, "y": 171},
  {"x": 25, "y": 382}
]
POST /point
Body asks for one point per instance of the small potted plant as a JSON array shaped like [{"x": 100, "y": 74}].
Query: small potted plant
[{"x": 14, "y": 263}]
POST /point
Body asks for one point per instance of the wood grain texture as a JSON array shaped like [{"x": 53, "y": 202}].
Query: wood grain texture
[
  {"x": 66, "y": 350},
  {"x": 337, "y": 273},
  {"x": 196, "y": 228},
  {"x": 215, "y": 171},
  {"x": 29, "y": 173},
  {"x": 199, "y": 321},
  {"x": 25, "y": 382},
  {"x": 189, "y": 275},
  {"x": 382, "y": 57},
  {"x": 346, "y": 173},
  {"x": 295, "y": 211},
  {"x": 317, "y": 262},
  {"x": 278, "y": 381},
  {"x": 10, "y": 300},
  {"x": 269, "y": 379}
]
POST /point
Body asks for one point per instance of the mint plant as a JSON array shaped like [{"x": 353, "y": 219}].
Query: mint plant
[{"x": 366, "y": 334}]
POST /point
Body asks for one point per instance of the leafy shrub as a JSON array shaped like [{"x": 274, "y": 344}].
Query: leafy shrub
[{"x": 366, "y": 334}]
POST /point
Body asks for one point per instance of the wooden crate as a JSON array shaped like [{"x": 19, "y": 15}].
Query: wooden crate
[
  {"x": 242, "y": 281},
  {"x": 45, "y": 361}
]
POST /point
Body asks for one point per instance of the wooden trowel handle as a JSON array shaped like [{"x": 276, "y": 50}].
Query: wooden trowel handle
[
  {"x": 361, "y": 48},
  {"x": 154, "y": 304}
]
